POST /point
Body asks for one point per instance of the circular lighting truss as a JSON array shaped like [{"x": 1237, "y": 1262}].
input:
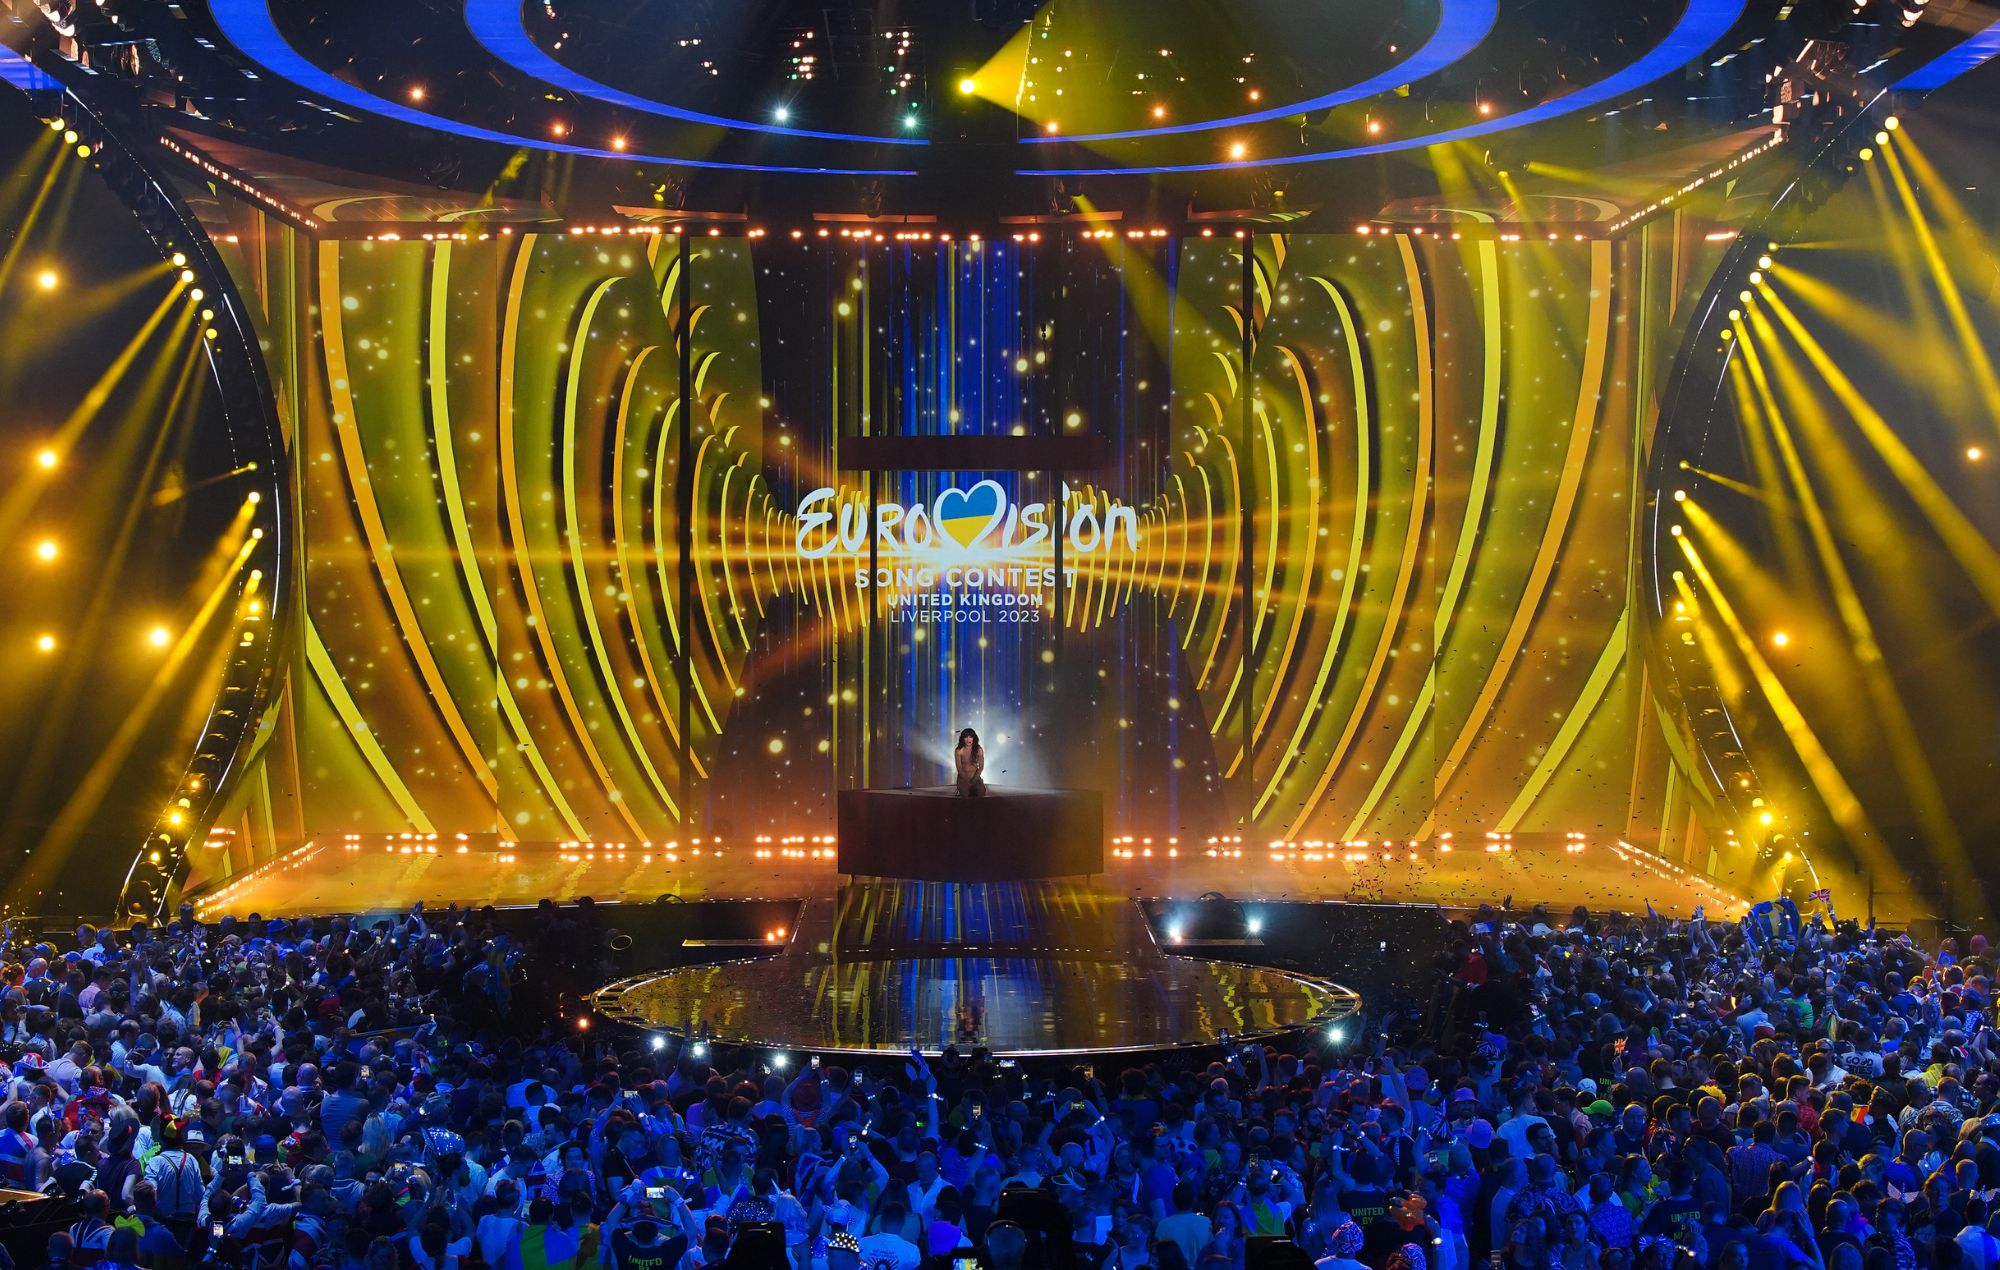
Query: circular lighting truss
[
  {"x": 252, "y": 670},
  {"x": 1765, "y": 804}
]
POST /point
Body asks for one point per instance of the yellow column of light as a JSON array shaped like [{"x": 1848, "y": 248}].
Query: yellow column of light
[
  {"x": 1961, "y": 537},
  {"x": 1491, "y": 370},
  {"x": 1590, "y": 395},
  {"x": 14, "y": 508},
  {"x": 53, "y": 849},
  {"x": 347, "y": 432},
  {"x": 1838, "y": 796},
  {"x": 518, "y": 529},
  {"x": 567, "y": 443},
  {"x": 1971, "y": 345},
  {"x": 461, "y": 535},
  {"x": 1919, "y": 781}
]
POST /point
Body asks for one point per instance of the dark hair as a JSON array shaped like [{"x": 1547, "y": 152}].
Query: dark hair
[{"x": 966, "y": 732}]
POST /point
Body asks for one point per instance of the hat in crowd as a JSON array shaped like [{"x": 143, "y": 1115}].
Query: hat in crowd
[
  {"x": 1347, "y": 1239},
  {"x": 1586, "y": 1086},
  {"x": 1480, "y": 1134},
  {"x": 1598, "y": 1108}
]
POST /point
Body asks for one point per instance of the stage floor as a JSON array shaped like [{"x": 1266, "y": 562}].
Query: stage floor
[
  {"x": 1021, "y": 968},
  {"x": 375, "y": 873}
]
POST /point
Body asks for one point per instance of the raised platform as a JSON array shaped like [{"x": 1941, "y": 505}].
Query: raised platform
[
  {"x": 934, "y": 834},
  {"x": 1022, "y": 968}
]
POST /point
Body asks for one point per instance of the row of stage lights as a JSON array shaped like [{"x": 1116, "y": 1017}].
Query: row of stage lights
[{"x": 1030, "y": 237}]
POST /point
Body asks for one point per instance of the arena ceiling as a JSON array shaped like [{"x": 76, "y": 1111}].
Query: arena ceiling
[{"x": 976, "y": 111}]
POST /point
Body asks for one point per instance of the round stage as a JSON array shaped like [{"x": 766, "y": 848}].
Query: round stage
[{"x": 1019, "y": 1005}]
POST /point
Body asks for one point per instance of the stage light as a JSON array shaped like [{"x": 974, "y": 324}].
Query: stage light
[
  {"x": 159, "y": 637},
  {"x": 558, "y": 129},
  {"x": 779, "y": 1062},
  {"x": 47, "y": 643},
  {"x": 187, "y": 275},
  {"x": 582, "y": 1024},
  {"x": 1866, "y": 154},
  {"x": 1763, "y": 262},
  {"x": 1485, "y": 107},
  {"x": 1238, "y": 150},
  {"x": 47, "y": 459},
  {"x": 1374, "y": 127},
  {"x": 1256, "y": 94},
  {"x": 1881, "y": 138},
  {"x": 1336, "y": 1034},
  {"x": 180, "y": 259},
  {"x": 1756, "y": 277},
  {"x": 47, "y": 280},
  {"x": 1764, "y": 818},
  {"x": 1680, "y": 496},
  {"x": 1892, "y": 123},
  {"x": 909, "y": 123},
  {"x": 197, "y": 295},
  {"x": 967, "y": 87},
  {"x": 1159, "y": 112},
  {"x": 618, "y": 144},
  {"x": 782, "y": 114},
  {"x": 46, "y": 549},
  {"x": 1255, "y": 926},
  {"x": 1972, "y": 452},
  {"x": 69, "y": 137},
  {"x": 416, "y": 92},
  {"x": 1052, "y": 127},
  {"x": 1779, "y": 639},
  {"x": 659, "y": 1042},
  {"x": 253, "y": 498}
]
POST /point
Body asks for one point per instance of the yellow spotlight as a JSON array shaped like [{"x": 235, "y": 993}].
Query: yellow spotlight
[
  {"x": 1764, "y": 818},
  {"x": 1866, "y": 154},
  {"x": 55, "y": 125},
  {"x": 1972, "y": 452},
  {"x": 1892, "y": 123},
  {"x": 180, "y": 260},
  {"x": 1881, "y": 138},
  {"x": 416, "y": 92},
  {"x": 1374, "y": 127},
  {"x": 196, "y": 295},
  {"x": 1756, "y": 277},
  {"x": 1763, "y": 262},
  {"x": 47, "y": 280},
  {"x": 47, "y": 459},
  {"x": 46, "y": 549},
  {"x": 47, "y": 643},
  {"x": 83, "y": 150},
  {"x": 159, "y": 637},
  {"x": 1052, "y": 127},
  {"x": 618, "y": 143},
  {"x": 254, "y": 498},
  {"x": 69, "y": 137},
  {"x": 1159, "y": 112},
  {"x": 1779, "y": 639},
  {"x": 187, "y": 275},
  {"x": 968, "y": 87},
  {"x": 1238, "y": 150},
  {"x": 175, "y": 818},
  {"x": 1680, "y": 496},
  {"x": 1485, "y": 107}
]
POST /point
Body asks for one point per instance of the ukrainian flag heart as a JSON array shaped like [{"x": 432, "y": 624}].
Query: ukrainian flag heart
[{"x": 968, "y": 516}]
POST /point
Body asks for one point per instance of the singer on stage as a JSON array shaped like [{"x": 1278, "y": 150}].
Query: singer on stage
[{"x": 970, "y": 761}]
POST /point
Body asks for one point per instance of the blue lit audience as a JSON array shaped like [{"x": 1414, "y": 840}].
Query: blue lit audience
[{"x": 1592, "y": 1094}]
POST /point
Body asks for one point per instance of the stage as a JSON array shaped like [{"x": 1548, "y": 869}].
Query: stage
[
  {"x": 381, "y": 872},
  {"x": 1020, "y": 968}
]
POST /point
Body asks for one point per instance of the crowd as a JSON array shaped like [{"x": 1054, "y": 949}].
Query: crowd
[{"x": 1595, "y": 1093}]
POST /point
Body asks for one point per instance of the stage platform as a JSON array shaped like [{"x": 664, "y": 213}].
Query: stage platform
[
  {"x": 378, "y": 872},
  {"x": 937, "y": 834},
  {"x": 1023, "y": 969}
]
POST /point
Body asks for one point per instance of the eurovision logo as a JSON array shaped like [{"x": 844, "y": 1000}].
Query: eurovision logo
[{"x": 959, "y": 523}]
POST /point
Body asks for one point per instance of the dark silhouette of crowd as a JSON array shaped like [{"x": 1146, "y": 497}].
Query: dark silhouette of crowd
[{"x": 1590, "y": 1093}]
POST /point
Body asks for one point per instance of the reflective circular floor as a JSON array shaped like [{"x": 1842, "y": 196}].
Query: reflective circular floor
[{"x": 1010, "y": 1004}]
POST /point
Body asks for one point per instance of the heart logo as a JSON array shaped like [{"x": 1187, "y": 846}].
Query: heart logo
[{"x": 969, "y": 515}]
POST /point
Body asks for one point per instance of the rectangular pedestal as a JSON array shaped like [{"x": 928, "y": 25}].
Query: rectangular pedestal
[{"x": 936, "y": 835}]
